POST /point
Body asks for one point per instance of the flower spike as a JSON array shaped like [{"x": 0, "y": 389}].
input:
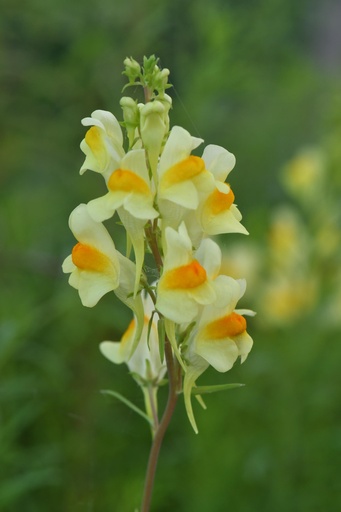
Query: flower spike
[{"x": 170, "y": 202}]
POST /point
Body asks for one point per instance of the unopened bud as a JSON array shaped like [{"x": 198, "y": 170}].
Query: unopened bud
[
  {"x": 131, "y": 117},
  {"x": 153, "y": 130},
  {"x": 132, "y": 69}
]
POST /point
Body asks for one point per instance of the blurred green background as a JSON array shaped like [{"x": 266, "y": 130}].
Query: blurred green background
[{"x": 259, "y": 78}]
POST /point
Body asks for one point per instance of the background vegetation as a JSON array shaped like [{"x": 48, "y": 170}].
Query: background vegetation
[{"x": 260, "y": 78}]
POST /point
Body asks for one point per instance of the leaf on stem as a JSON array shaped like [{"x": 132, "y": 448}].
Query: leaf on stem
[
  {"x": 201, "y": 390},
  {"x": 127, "y": 402},
  {"x": 162, "y": 336}
]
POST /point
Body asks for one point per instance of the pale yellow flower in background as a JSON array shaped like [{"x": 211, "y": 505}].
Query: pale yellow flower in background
[
  {"x": 102, "y": 144},
  {"x": 327, "y": 240},
  {"x": 289, "y": 243},
  {"x": 285, "y": 300},
  {"x": 243, "y": 261},
  {"x": 304, "y": 175}
]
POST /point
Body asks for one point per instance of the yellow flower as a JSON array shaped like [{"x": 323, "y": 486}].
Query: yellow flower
[
  {"x": 131, "y": 195},
  {"x": 129, "y": 188},
  {"x": 218, "y": 213},
  {"x": 186, "y": 283},
  {"x": 102, "y": 144},
  {"x": 289, "y": 242},
  {"x": 286, "y": 298},
  {"x": 94, "y": 264},
  {"x": 304, "y": 175},
  {"x": 143, "y": 357},
  {"x": 181, "y": 176},
  {"x": 96, "y": 267},
  {"x": 218, "y": 338}
]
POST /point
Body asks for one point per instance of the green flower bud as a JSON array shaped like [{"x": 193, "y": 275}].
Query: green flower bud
[
  {"x": 132, "y": 69},
  {"x": 153, "y": 129},
  {"x": 166, "y": 101},
  {"x": 131, "y": 117}
]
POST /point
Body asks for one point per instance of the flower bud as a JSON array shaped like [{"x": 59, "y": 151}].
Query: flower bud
[
  {"x": 131, "y": 116},
  {"x": 166, "y": 101},
  {"x": 161, "y": 80},
  {"x": 153, "y": 130},
  {"x": 132, "y": 69}
]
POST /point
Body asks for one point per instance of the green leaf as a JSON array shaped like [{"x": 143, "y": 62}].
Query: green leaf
[
  {"x": 201, "y": 390},
  {"x": 162, "y": 336},
  {"x": 127, "y": 402}
]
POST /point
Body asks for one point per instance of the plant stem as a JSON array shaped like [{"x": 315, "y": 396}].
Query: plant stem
[
  {"x": 161, "y": 430},
  {"x": 151, "y": 237}
]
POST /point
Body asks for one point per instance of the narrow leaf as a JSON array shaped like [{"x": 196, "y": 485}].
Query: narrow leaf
[
  {"x": 201, "y": 390},
  {"x": 127, "y": 402},
  {"x": 162, "y": 335}
]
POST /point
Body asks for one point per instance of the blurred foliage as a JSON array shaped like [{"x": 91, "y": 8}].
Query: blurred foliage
[{"x": 260, "y": 78}]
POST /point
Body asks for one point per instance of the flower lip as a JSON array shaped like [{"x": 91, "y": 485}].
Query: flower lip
[
  {"x": 226, "y": 327},
  {"x": 86, "y": 257},
  {"x": 185, "y": 277},
  {"x": 184, "y": 170},
  {"x": 219, "y": 202},
  {"x": 127, "y": 181},
  {"x": 93, "y": 139}
]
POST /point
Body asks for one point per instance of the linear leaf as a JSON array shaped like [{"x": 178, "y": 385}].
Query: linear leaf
[
  {"x": 127, "y": 402},
  {"x": 201, "y": 390}
]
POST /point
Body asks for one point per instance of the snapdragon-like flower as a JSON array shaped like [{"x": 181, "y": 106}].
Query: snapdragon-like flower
[
  {"x": 96, "y": 267},
  {"x": 186, "y": 282},
  {"x": 144, "y": 359},
  {"x": 218, "y": 213},
  {"x": 141, "y": 353},
  {"x": 181, "y": 176},
  {"x": 130, "y": 193},
  {"x": 129, "y": 187},
  {"x": 218, "y": 338},
  {"x": 93, "y": 263},
  {"x": 102, "y": 143}
]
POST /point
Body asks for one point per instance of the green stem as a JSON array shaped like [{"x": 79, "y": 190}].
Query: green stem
[
  {"x": 151, "y": 238},
  {"x": 150, "y": 394},
  {"x": 148, "y": 93},
  {"x": 161, "y": 430}
]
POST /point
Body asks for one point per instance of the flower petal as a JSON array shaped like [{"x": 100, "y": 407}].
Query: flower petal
[
  {"x": 244, "y": 343},
  {"x": 177, "y": 306},
  {"x": 209, "y": 255},
  {"x": 89, "y": 232},
  {"x": 219, "y": 353},
  {"x": 178, "y": 147},
  {"x": 218, "y": 161},
  {"x": 92, "y": 286},
  {"x": 112, "y": 351}
]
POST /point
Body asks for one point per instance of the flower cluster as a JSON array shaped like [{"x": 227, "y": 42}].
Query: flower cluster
[{"x": 170, "y": 203}]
